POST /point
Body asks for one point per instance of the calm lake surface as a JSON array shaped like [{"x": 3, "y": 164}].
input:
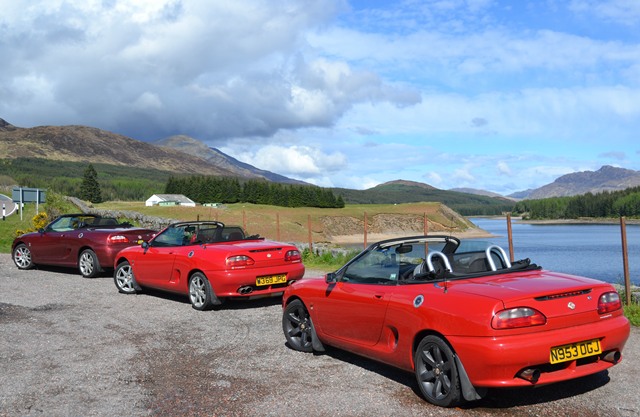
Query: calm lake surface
[{"x": 591, "y": 250}]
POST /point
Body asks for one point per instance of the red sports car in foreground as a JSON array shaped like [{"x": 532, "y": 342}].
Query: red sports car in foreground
[
  {"x": 84, "y": 241},
  {"x": 209, "y": 262},
  {"x": 460, "y": 316}
]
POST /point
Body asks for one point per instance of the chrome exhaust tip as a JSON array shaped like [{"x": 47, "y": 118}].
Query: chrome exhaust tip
[
  {"x": 612, "y": 356},
  {"x": 531, "y": 375},
  {"x": 245, "y": 290}
]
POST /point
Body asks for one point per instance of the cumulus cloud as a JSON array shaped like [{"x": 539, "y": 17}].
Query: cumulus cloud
[
  {"x": 150, "y": 69},
  {"x": 298, "y": 161}
]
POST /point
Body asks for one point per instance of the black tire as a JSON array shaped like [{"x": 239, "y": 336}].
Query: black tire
[
  {"x": 22, "y": 257},
  {"x": 200, "y": 293},
  {"x": 88, "y": 264},
  {"x": 437, "y": 373},
  {"x": 297, "y": 327},
  {"x": 124, "y": 279}
]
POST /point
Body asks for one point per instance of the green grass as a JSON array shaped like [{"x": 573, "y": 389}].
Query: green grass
[
  {"x": 327, "y": 261},
  {"x": 632, "y": 312},
  {"x": 12, "y": 223}
]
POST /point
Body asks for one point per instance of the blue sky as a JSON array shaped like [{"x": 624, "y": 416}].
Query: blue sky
[{"x": 494, "y": 95}]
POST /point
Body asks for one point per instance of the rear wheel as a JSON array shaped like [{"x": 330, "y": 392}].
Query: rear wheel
[
  {"x": 200, "y": 293},
  {"x": 437, "y": 373},
  {"x": 297, "y": 327},
  {"x": 124, "y": 278},
  {"x": 22, "y": 257},
  {"x": 88, "y": 264}
]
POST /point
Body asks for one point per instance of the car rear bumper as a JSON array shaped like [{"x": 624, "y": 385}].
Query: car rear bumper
[
  {"x": 241, "y": 283},
  {"x": 498, "y": 361}
]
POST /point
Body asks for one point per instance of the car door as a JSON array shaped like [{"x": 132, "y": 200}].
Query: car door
[
  {"x": 53, "y": 245},
  {"x": 354, "y": 308},
  {"x": 154, "y": 266}
]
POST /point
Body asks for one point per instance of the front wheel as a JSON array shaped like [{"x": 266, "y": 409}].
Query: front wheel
[
  {"x": 22, "y": 257},
  {"x": 297, "y": 327},
  {"x": 124, "y": 279},
  {"x": 88, "y": 264},
  {"x": 437, "y": 373}
]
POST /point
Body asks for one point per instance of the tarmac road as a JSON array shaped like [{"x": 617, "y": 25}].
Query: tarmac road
[{"x": 71, "y": 346}]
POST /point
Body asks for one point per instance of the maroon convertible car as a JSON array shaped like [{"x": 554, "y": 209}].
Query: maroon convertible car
[{"x": 84, "y": 241}]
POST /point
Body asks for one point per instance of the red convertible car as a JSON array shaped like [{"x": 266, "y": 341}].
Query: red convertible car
[
  {"x": 84, "y": 241},
  {"x": 209, "y": 262},
  {"x": 460, "y": 316}
]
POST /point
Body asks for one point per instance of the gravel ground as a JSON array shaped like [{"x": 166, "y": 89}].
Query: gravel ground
[{"x": 76, "y": 347}]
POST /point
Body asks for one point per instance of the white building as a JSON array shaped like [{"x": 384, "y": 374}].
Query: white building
[{"x": 169, "y": 199}]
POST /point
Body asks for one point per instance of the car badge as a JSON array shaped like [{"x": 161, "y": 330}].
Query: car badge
[
  {"x": 268, "y": 255},
  {"x": 190, "y": 254},
  {"x": 80, "y": 235},
  {"x": 571, "y": 305},
  {"x": 417, "y": 302}
]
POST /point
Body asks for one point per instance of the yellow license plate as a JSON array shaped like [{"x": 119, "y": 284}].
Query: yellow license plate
[
  {"x": 271, "y": 279},
  {"x": 575, "y": 351}
]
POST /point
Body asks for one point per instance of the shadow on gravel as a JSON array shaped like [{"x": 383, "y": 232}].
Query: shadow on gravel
[
  {"x": 513, "y": 397},
  {"x": 229, "y": 304},
  {"x": 107, "y": 273},
  {"x": 495, "y": 398}
]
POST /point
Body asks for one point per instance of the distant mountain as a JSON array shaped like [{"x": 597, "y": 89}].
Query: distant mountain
[
  {"x": 400, "y": 191},
  {"x": 477, "y": 192},
  {"x": 607, "y": 178},
  {"x": 90, "y": 145},
  {"x": 215, "y": 157}
]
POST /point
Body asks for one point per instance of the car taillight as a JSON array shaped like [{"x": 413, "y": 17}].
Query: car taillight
[
  {"x": 292, "y": 255},
  {"x": 238, "y": 261},
  {"x": 518, "y": 317},
  {"x": 117, "y": 239},
  {"x": 608, "y": 302}
]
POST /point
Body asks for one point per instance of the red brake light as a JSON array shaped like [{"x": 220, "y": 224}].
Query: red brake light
[
  {"x": 608, "y": 302},
  {"x": 239, "y": 261},
  {"x": 518, "y": 317},
  {"x": 292, "y": 256},
  {"x": 117, "y": 239}
]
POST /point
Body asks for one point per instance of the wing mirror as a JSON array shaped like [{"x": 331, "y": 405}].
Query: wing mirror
[
  {"x": 331, "y": 278},
  {"x": 145, "y": 245}
]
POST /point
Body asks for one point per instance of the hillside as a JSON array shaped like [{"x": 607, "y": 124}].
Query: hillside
[
  {"x": 91, "y": 145},
  {"x": 396, "y": 192},
  {"x": 607, "y": 178}
]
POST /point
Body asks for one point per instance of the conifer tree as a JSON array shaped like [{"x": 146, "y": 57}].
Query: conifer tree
[{"x": 90, "y": 188}]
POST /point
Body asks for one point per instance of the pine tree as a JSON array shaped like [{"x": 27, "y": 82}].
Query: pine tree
[{"x": 90, "y": 188}]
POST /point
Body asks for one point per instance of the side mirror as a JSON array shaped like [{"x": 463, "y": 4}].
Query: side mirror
[
  {"x": 330, "y": 278},
  {"x": 145, "y": 245},
  {"x": 41, "y": 231}
]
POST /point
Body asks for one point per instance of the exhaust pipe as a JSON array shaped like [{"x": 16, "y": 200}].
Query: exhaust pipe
[
  {"x": 612, "y": 356},
  {"x": 245, "y": 290},
  {"x": 531, "y": 375}
]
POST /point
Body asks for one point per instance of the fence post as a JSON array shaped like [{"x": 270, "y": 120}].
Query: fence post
[
  {"x": 365, "y": 230},
  {"x": 426, "y": 224},
  {"x": 278, "y": 227},
  {"x": 244, "y": 220},
  {"x": 309, "y": 227},
  {"x": 510, "y": 235},
  {"x": 625, "y": 261}
]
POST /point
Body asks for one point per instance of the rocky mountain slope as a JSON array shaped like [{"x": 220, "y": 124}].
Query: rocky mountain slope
[{"x": 607, "y": 178}]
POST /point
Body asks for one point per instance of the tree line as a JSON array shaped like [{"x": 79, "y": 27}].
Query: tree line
[
  {"x": 209, "y": 189},
  {"x": 604, "y": 204}
]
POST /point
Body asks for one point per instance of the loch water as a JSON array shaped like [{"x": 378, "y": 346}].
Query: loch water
[{"x": 591, "y": 250}]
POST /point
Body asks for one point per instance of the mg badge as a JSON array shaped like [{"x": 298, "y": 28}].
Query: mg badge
[
  {"x": 268, "y": 255},
  {"x": 571, "y": 305},
  {"x": 417, "y": 302}
]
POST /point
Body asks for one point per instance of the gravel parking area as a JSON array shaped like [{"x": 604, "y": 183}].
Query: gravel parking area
[{"x": 71, "y": 346}]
